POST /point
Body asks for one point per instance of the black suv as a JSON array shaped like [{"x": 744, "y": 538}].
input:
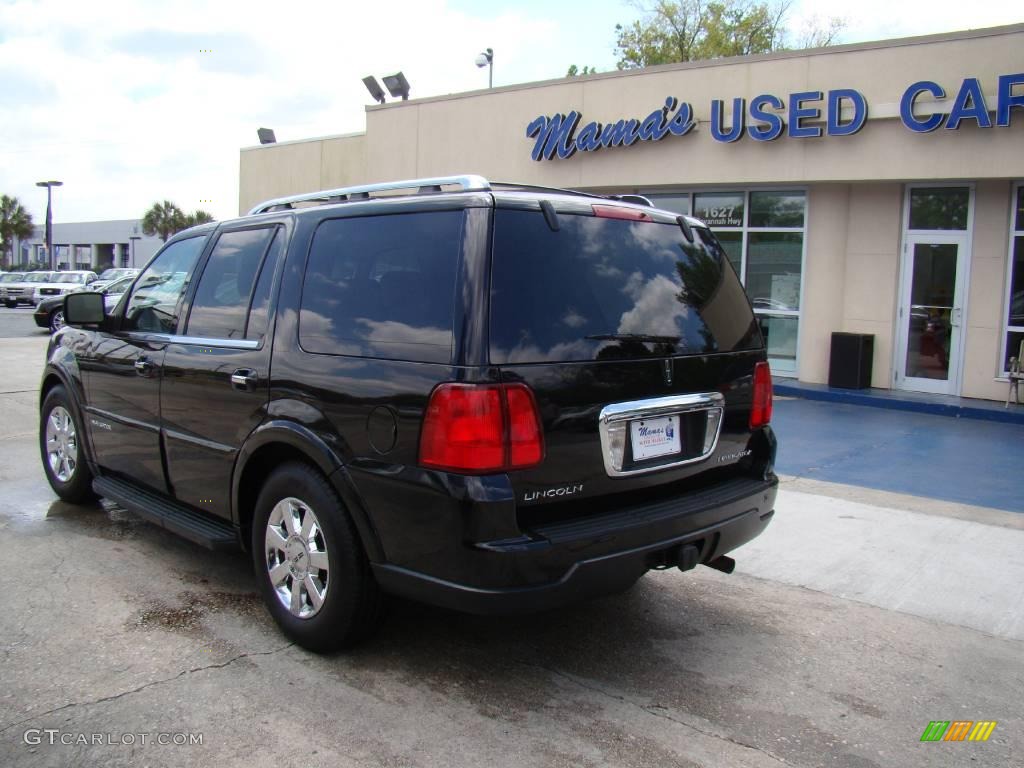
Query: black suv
[{"x": 489, "y": 397}]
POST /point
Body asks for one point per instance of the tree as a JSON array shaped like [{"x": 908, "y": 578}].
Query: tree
[
  {"x": 15, "y": 222},
  {"x": 197, "y": 217},
  {"x": 163, "y": 219},
  {"x": 694, "y": 30},
  {"x": 575, "y": 71}
]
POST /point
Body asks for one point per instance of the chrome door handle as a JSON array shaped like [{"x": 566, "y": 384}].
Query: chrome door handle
[
  {"x": 244, "y": 379},
  {"x": 143, "y": 366}
]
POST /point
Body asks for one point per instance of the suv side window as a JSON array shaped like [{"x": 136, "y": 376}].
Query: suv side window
[
  {"x": 382, "y": 286},
  {"x": 259, "y": 309},
  {"x": 156, "y": 297},
  {"x": 222, "y": 298}
]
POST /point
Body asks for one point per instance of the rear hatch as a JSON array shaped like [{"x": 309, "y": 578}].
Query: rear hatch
[{"x": 639, "y": 345}]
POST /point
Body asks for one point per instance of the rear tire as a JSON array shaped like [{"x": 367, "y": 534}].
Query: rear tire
[
  {"x": 62, "y": 445},
  {"x": 309, "y": 562}
]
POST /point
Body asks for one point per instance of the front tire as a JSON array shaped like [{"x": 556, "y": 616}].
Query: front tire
[
  {"x": 309, "y": 562},
  {"x": 61, "y": 443},
  {"x": 56, "y": 320}
]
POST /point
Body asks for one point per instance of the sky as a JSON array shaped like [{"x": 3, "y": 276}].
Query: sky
[{"x": 128, "y": 103}]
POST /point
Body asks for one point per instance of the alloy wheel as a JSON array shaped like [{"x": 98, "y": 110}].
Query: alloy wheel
[
  {"x": 61, "y": 444},
  {"x": 296, "y": 557}
]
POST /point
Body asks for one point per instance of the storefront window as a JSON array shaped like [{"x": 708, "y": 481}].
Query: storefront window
[
  {"x": 674, "y": 203},
  {"x": 934, "y": 208},
  {"x": 777, "y": 209},
  {"x": 762, "y": 232},
  {"x": 1015, "y": 294},
  {"x": 773, "y": 269}
]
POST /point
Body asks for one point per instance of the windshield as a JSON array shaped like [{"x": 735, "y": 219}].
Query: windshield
[
  {"x": 70, "y": 279},
  {"x": 12, "y": 277},
  {"x": 604, "y": 289},
  {"x": 109, "y": 274},
  {"x": 120, "y": 285},
  {"x": 38, "y": 277}
]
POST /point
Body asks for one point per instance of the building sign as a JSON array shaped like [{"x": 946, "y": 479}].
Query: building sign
[{"x": 805, "y": 114}]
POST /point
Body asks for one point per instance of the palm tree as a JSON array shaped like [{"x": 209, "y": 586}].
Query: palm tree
[
  {"x": 197, "y": 217},
  {"x": 15, "y": 222},
  {"x": 163, "y": 219}
]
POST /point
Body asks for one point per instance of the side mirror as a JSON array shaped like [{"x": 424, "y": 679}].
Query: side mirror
[{"x": 83, "y": 308}]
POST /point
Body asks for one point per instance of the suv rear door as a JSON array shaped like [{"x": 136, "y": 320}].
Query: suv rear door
[
  {"x": 216, "y": 372},
  {"x": 601, "y": 312}
]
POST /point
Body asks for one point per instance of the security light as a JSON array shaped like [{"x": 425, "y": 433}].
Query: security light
[
  {"x": 266, "y": 136},
  {"x": 486, "y": 59},
  {"x": 397, "y": 85},
  {"x": 374, "y": 88}
]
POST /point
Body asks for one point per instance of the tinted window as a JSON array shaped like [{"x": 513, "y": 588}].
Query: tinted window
[
  {"x": 605, "y": 289},
  {"x": 382, "y": 286},
  {"x": 259, "y": 312},
  {"x": 156, "y": 298},
  {"x": 939, "y": 208},
  {"x": 222, "y": 298},
  {"x": 776, "y": 209}
]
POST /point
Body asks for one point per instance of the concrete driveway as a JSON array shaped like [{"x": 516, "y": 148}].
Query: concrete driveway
[{"x": 842, "y": 634}]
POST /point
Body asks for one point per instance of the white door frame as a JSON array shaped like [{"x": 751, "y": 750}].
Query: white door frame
[{"x": 962, "y": 238}]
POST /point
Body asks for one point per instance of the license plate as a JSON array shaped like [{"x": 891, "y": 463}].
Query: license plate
[{"x": 655, "y": 437}]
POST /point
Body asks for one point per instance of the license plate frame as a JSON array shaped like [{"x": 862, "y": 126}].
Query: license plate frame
[{"x": 655, "y": 437}]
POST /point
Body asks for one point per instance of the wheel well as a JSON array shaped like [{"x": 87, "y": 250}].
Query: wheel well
[
  {"x": 51, "y": 381},
  {"x": 257, "y": 468}
]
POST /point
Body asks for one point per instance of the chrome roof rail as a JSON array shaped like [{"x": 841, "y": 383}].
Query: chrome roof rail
[{"x": 362, "y": 192}]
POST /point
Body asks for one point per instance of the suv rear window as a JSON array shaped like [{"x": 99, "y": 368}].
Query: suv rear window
[
  {"x": 382, "y": 286},
  {"x": 606, "y": 289}
]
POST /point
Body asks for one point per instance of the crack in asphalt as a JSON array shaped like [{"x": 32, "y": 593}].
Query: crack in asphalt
[
  {"x": 150, "y": 684},
  {"x": 648, "y": 709}
]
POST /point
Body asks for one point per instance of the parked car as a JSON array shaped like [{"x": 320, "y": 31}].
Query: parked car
[
  {"x": 11, "y": 277},
  {"x": 493, "y": 398},
  {"x": 22, "y": 291},
  {"x": 63, "y": 283},
  {"x": 50, "y": 311},
  {"x": 113, "y": 273}
]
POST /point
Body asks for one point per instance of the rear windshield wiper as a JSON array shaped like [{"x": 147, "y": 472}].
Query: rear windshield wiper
[{"x": 634, "y": 337}]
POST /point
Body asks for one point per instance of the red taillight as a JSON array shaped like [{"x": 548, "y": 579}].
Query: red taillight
[
  {"x": 761, "y": 403},
  {"x": 621, "y": 212},
  {"x": 480, "y": 428}
]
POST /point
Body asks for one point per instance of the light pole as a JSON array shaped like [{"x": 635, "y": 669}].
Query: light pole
[
  {"x": 486, "y": 59},
  {"x": 49, "y": 216},
  {"x": 132, "y": 239}
]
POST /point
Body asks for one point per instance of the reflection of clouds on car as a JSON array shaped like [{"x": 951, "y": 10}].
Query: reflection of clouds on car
[{"x": 656, "y": 309}]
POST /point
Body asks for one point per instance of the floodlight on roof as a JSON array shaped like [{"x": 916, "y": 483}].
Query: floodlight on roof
[
  {"x": 397, "y": 85},
  {"x": 266, "y": 135},
  {"x": 374, "y": 88}
]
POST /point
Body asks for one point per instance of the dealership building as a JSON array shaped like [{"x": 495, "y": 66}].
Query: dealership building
[{"x": 873, "y": 189}]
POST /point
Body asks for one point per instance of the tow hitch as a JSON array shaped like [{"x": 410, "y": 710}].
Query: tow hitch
[{"x": 723, "y": 564}]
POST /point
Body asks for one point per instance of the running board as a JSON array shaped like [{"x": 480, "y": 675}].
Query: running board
[{"x": 176, "y": 518}]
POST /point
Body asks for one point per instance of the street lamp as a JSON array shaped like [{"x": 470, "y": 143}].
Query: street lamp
[
  {"x": 49, "y": 216},
  {"x": 486, "y": 59}
]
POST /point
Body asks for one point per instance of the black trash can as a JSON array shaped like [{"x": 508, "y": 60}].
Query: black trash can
[{"x": 849, "y": 365}]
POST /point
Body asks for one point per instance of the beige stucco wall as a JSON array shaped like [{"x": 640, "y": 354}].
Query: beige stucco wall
[{"x": 855, "y": 183}]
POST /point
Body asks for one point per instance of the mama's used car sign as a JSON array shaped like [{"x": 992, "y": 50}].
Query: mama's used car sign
[{"x": 805, "y": 114}]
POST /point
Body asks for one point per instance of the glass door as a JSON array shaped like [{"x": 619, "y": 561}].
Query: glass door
[{"x": 931, "y": 314}]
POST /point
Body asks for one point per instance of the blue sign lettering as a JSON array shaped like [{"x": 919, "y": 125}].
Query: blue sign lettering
[
  {"x": 773, "y": 124},
  {"x": 768, "y": 117},
  {"x": 835, "y": 105},
  {"x": 556, "y": 135}
]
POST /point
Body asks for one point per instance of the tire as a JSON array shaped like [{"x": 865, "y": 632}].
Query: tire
[
  {"x": 312, "y": 571},
  {"x": 56, "y": 320},
  {"x": 61, "y": 445}
]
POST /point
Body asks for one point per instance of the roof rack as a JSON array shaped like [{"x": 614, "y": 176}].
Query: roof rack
[{"x": 362, "y": 192}]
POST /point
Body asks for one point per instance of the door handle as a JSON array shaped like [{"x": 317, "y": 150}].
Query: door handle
[
  {"x": 143, "y": 367},
  {"x": 244, "y": 379}
]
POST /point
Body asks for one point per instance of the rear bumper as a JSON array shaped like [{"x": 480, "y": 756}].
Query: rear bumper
[{"x": 601, "y": 555}]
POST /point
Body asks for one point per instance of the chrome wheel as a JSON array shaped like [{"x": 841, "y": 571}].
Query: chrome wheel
[
  {"x": 56, "y": 320},
  {"x": 61, "y": 444},
  {"x": 296, "y": 557}
]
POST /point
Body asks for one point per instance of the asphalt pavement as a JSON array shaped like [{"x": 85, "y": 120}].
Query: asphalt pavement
[{"x": 858, "y": 618}]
